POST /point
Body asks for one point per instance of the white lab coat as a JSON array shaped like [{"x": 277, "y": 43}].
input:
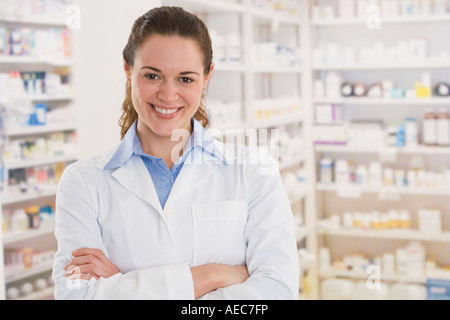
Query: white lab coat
[{"x": 235, "y": 213}]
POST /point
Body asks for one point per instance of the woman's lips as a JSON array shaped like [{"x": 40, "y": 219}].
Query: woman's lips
[{"x": 165, "y": 112}]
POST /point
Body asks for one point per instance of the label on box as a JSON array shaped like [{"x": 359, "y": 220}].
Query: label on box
[{"x": 438, "y": 289}]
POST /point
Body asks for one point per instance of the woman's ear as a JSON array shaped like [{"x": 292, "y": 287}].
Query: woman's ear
[
  {"x": 208, "y": 76},
  {"x": 127, "y": 69}
]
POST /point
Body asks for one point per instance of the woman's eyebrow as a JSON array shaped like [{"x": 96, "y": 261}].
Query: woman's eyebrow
[{"x": 159, "y": 71}]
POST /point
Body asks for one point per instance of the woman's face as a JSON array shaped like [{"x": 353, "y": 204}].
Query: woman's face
[{"x": 167, "y": 82}]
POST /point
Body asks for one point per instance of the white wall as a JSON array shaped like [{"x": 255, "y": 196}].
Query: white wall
[{"x": 98, "y": 74}]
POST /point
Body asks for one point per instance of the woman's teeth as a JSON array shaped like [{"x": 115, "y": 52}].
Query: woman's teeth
[{"x": 165, "y": 111}]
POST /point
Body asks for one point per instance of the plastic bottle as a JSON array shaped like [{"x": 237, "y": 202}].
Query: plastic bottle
[
  {"x": 375, "y": 174},
  {"x": 412, "y": 131},
  {"x": 415, "y": 258},
  {"x": 443, "y": 128},
  {"x": 341, "y": 172},
  {"x": 326, "y": 170},
  {"x": 361, "y": 175},
  {"x": 429, "y": 134}
]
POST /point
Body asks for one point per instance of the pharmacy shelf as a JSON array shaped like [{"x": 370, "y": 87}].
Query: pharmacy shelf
[
  {"x": 39, "y": 162},
  {"x": 434, "y": 101},
  {"x": 34, "y": 21},
  {"x": 425, "y": 150},
  {"x": 35, "y": 130},
  {"x": 401, "y": 234},
  {"x": 44, "y": 294},
  {"x": 286, "y": 164},
  {"x": 334, "y": 273},
  {"x": 276, "y": 69},
  {"x": 10, "y": 199},
  {"x": 334, "y": 22},
  {"x": 275, "y": 17},
  {"x": 20, "y": 60},
  {"x": 12, "y": 237},
  {"x": 45, "y": 267},
  {"x": 278, "y": 121},
  {"x": 381, "y": 66},
  {"x": 356, "y": 190},
  {"x": 49, "y": 98}
]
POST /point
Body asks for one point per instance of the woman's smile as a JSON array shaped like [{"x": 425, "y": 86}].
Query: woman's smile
[{"x": 165, "y": 112}]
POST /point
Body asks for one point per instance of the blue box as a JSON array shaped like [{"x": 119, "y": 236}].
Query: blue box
[{"x": 438, "y": 289}]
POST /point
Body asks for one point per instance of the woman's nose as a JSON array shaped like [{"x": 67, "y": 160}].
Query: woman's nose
[{"x": 168, "y": 92}]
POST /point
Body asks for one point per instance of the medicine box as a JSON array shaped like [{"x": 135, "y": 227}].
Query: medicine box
[{"x": 438, "y": 289}]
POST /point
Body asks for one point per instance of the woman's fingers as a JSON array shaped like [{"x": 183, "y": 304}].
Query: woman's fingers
[{"x": 90, "y": 261}]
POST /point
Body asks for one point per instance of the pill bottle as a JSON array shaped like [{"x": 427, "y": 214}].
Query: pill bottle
[
  {"x": 326, "y": 170},
  {"x": 341, "y": 172},
  {"x": 429, "y": 130},
  {"x": 443, "y": 128},
  {"x": 33, "y": 217}
]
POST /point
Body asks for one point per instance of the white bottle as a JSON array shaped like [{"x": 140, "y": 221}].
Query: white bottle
[
  {"x": 333, "y": 85},
  {"x": 324, "y": 259},
  {"x": 375, "y": 174},
  {"x": 415, "y": 259},
  {"x": 342, "y": 172},
  {"x": 361, "y": 175},
  {"x": 429, "y": 130},
  {"x": 443, "y": 128}
]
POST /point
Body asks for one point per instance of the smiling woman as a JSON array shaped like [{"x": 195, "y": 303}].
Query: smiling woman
[{"x": 144, "y": 222}]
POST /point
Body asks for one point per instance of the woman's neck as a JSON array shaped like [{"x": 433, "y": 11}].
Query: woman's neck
[{"x": 162, "y": 146}]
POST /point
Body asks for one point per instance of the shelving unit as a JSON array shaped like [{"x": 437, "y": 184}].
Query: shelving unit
[
  {"x": 42, "y": 238},
  {"x": 333, "y": 199}
]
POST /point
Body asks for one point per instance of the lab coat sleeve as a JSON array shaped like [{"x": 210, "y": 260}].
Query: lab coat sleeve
[
  {"x": 271, "y": 256},
  {"x": 77, "y": 226}
]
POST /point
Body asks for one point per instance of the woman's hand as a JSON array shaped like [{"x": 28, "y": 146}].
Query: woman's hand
[
  {"x": 90, "y": 263},
  {"x": 210, "y": 277}
]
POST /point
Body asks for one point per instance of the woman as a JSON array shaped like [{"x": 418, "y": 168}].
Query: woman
[{"x": 171, "y": 213}]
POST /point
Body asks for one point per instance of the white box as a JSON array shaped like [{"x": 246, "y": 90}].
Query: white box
[{"x": 430, "y": 220}]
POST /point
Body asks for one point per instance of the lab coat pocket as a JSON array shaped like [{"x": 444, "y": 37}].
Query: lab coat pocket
[{"x": 219, "y": 232}]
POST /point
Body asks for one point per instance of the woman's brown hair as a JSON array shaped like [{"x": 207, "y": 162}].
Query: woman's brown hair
[{"x": 165, "y": 21}]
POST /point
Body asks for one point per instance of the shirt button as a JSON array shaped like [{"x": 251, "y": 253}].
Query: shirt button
[{"x": 168, "y": 213}]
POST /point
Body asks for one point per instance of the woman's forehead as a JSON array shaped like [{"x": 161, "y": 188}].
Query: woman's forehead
[{"x": 170, "y": 54}]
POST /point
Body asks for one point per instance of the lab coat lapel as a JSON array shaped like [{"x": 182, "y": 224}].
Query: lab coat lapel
[
  {"x": 134, "y": 176},
  {"x": 191, "y": 175}
]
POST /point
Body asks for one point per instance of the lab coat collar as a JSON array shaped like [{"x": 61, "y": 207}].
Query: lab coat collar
[{"x": 213, "y": 151}]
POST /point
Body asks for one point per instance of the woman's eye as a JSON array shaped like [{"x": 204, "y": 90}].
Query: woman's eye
[
  {"x": 150, "y": 76},
  {"x": 186, "y": 80}
]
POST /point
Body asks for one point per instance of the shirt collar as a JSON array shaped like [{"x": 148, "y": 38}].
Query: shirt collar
[{"x": 200, "y": 138}]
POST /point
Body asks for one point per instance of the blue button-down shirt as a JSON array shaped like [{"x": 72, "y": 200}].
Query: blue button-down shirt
[{"x": 163, "y": 177}]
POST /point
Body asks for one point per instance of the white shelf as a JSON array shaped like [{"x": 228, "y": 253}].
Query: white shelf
[
  {"x": 275, "y": 16},
  {"x": 387, "y": 234},
  {"x": 355, "y": 189},
  {"x": 44, "y": 294},
  {"x": 427, "y": 150},
  {"x": 333, "y": 273},
  {"x": 47, "y": 97},
  {"x": 39, "y": 162},
  {"x": 34, "y": 130},
  {"x": 435, "y": 101},
  {"x": 27, "y": 234},
  {"x": 276, "y": 69},
  {"x": 9, "y": 199},
  {"x": 34, "y": 21},
  {"x": 397, "y": 20},
  {"x": 31, "y": 272},
  {"x": 226, "y": 67},
  {"x": 380, "y": 66},
  {"x": 57, "y": 62},
  {"x": 277, "y": 121}
]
